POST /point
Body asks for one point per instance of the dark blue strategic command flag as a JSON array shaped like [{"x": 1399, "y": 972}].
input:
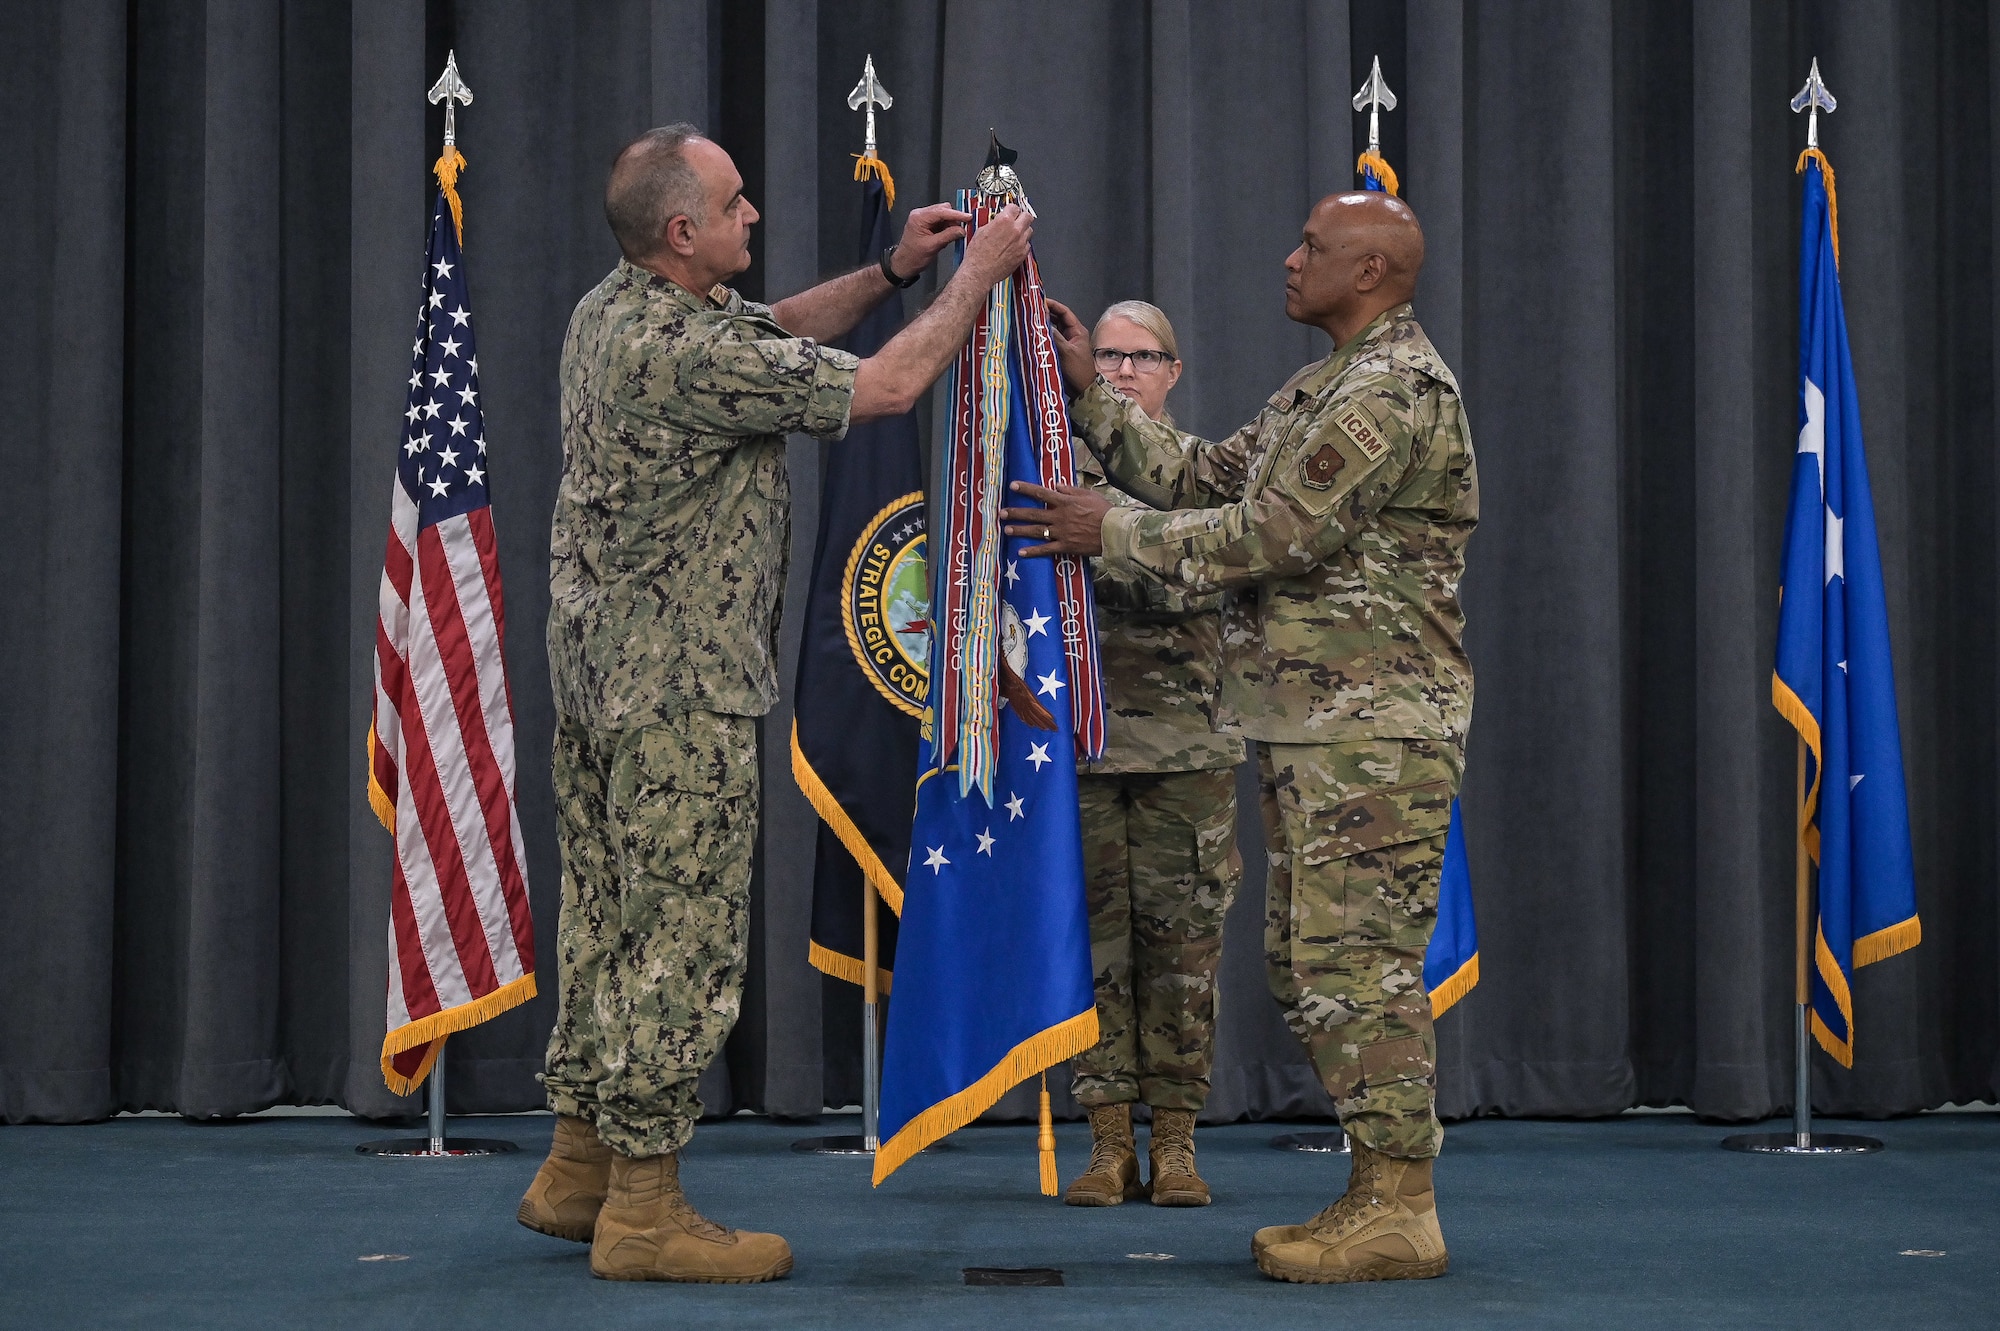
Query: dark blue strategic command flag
[
  {"x": 864, "y": 660},
  {"x": 1834, "y": 681}
]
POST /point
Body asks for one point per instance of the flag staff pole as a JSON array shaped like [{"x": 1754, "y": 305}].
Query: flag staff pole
[
  {"x": 871, "y": 1026},
  {"x": 1813, "y": 98},
  {"x": 1802, "y": 993},
  {"x": 868, "y": 95},
  {"x": 434, "y": 1102}
]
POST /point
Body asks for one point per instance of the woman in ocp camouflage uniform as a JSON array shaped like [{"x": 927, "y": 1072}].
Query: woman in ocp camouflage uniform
[{"x": 1159, "y": 837}]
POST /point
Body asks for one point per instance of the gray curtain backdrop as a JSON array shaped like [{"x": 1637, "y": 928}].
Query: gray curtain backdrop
[{"x": 214, "y": 219}]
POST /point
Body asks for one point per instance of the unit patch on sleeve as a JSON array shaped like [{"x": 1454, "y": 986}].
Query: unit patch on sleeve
[
  {"x": 1319, "y": 470},
  {"x": 1354, "y": 423}
]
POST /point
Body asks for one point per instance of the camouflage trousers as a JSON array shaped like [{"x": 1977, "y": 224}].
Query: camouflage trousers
[
  {"x": 1356, "y": 835},
  {"x": 657, "y": 829},
  {"x": 1161, "y": 867}
]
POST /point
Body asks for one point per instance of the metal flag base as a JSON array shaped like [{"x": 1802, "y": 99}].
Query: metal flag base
[
  {"x": 437, "y": 1146},
  {"x": 1324, "y": 1143},
  {"x": 428, "y": 1149},
  {"x": 865, "y": 1142},
  {"x": 1801, "y": 1140},
  {"x": 851, "y": 1144},
  {"x": 1800, "y": 1143}
]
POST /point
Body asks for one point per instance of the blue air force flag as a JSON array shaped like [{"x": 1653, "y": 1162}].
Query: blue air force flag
[
  {"x": 993, "y": 980},
  {"x": 1451, "y": 961},
  {"x": 1834, "y": 681}
]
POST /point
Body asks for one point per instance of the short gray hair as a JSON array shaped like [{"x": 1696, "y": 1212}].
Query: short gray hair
[
  {"x": 1149, "y": 317},
  {"x": 651, "y": 184}
]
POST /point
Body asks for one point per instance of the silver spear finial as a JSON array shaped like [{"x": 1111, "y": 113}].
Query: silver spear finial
[
  {"x": 1812, "y": 99},
  {"x": 871, "y": 94},
  {"x": 1375, "y": 98},
  {"x": 451, "y": 90}
]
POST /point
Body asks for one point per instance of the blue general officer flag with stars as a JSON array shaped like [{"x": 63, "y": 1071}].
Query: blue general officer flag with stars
[
  {"x": 993, "y": 980},
  {"x": 1451, "y": 961},
  {"x": 1834, "y": 680}
]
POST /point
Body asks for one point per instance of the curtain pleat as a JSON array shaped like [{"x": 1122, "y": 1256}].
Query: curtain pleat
[{"x": 215, "y": 229}]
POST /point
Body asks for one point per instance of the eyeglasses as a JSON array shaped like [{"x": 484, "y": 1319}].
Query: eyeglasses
[{"x": 1145, "y": 362}]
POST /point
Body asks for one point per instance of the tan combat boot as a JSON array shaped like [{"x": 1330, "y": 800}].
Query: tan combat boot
[
  {"x": 647, "y": 1231},
  {"x": 569, "y": 1187},
  {"x": 1173, "y": 1181},
  {"x": 1384, "y": 1228},
  {"x": 1113, "y": 1175},
  {"x": 1273, "y": 1234}
]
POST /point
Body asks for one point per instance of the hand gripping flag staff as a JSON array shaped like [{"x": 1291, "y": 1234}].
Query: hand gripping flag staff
[
  {"x": 864, "y": 668},
  {"x": 1834, "y": 681},
  {"x": 993, "y": 980},
  {"x": 1451, "y": 962},
  {"x": 441, "y": 741}
]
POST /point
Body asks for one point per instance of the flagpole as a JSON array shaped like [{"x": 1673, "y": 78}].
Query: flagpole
[
  {"x": 1813, "y": 98},
  {"x": 436, "y": 1145},
  {"x": 1802, "y": 993},
  {"x": 871, "y": 1026},
  {"x": 435, "y": 1103},
  {"x": 868, "y": 95}
]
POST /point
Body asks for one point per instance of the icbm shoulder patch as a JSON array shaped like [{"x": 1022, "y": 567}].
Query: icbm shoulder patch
[{"x": 1354, "y": 423}]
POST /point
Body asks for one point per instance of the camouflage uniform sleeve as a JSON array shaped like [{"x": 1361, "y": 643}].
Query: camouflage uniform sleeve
[
  {"x": 1150, "y": 460},
  {"x": 1322, "y": 485},
  {"x": 1124, "y": 588},
  {"x": 746, "y": 378}
]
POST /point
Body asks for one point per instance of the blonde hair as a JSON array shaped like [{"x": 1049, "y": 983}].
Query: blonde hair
[{"x": 1149, "y": 317}]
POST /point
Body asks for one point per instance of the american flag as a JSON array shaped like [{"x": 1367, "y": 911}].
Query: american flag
[{"x": 441, "y": 746}]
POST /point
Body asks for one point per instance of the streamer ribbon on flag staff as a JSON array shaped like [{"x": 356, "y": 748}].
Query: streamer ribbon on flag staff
[{"x": 968, "y": 694}]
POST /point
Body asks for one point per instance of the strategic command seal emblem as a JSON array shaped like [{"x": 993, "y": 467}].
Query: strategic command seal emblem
[{"x": 886, "y": 605}]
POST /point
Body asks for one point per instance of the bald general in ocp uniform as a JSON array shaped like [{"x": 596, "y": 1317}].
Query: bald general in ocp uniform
[
  {"x": 667, "y": 560},
  {"x": 1336, "y": 523}
]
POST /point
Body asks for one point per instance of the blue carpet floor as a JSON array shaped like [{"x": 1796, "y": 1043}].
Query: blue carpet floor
[{"x": 1632, "y": 1222}]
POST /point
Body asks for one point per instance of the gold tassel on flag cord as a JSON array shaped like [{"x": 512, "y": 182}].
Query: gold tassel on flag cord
[
  {"x": 1832, "y": 200},
  {"x": 1383, "y": 171},
  {"x": 1045, "y": 1139},
  {"x": 868, "y": 164},
  {"x": 448, "y": 166}
]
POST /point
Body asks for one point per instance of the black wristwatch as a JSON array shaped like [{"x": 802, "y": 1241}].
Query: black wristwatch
[{"x": 890, "y": 273}]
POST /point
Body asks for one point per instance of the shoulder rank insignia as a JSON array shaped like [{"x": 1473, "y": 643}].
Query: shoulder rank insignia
[
  {"x": 1319, "y": 470},
  {"x": 1354, "y": 423}
]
